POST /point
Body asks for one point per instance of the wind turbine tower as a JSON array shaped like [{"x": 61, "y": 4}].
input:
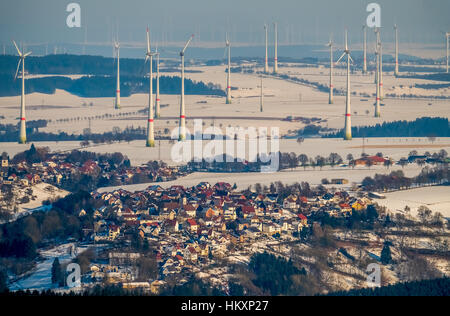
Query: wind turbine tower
[
  {"x": 150, "y": 124},
  {"x": 330, "y": 45},
  {"x": 396, "y": 50},
  {"x": 261, "y": 99},
  {"x": 23, "y": 130},
  {"x": 447, "y": 36},
  {"x": 365, "y": 49},
  {"x": 182, "y": 133},
  {"x": 348, "y": 119},
  {"x": 117, "y": 103},
  {"x": 228, "y": 44},
  {"x": 381, "y": 68},
  {"x": 275, "y": 64},
  {"x": 378, "y": 96},
  {"x": 266, "y": 60},
  {"x": 158, "y": 100}
]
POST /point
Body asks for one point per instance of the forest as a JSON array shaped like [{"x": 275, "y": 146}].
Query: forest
[
  {"x": 421, "y": 127},
  {"x": 104, "y": 86},
  {"x": 436, "y": 287}
]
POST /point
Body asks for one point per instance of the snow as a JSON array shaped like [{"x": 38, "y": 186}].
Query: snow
[
  {"x": 435, "y": 198},
  {"x": 41, "y": 277},
  {"x": 243, "y": 180}
]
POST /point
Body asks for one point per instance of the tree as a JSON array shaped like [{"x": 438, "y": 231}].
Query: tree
[
  {"x": 443, "y": 154},
  {"x": 424, "y": 213},
  {"x": 3, "y": 281},
  {"x": 350, "y": 158},
  {"x": 413, "y": 153},
  {"x": 334, "y": 159},
  {"x": 403, "y": 162},
  {"x": 320, "y": 162},
  {"x": 57, "y": 274},
  {"x": 386, "y": 256},
  {"x": 303, "y": 159},
  {"x": 387, "y": 163}
]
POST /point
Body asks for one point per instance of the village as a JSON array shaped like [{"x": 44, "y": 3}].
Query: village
[{"x": 147, "y": 238}]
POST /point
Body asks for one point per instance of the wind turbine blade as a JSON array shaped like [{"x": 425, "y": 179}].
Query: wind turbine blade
[
  {"x": 340, "y": 58},
  {"x": 17, "y": 48},
  {"x": 18, "y": 66},
  {"x": 351, "y": 59},
  {"x": 27, "y": 54},
  {"x": 148, "y": 41},
  {"x": 187, "y": 43}
]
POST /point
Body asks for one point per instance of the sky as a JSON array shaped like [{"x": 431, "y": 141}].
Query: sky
[{"x": 44, "y": 21}]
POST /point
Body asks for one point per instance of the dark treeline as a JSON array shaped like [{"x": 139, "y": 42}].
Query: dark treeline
[
  {"x": 440, "y": 76},
  {"x": 421, "y": 127},
  {"x": 436, "y": 287},
  {"x": 80, "y": 65},
  {"x": 397, "y": 180},
  {"x": 11, "y": 132},
  {"x": 103, "y": 86},
  {"x": 21, "y": 238}
]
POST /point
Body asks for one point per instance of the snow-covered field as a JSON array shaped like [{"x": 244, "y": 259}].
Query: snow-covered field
[
  {"x": 282, "y": 99},
  {"x": 41, "y": 277},
  {"x": 42, "y": 191},
  {"x": 436, "y": 199},
  {"x": 395, "y": 148},
  {"x": 244, "y": 180}
]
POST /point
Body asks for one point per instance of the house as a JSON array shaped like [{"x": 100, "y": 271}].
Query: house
[
  {"x": 369, "y": 160},
  {"x": 192, "y": 225},
  {"x": 5, "y": 161},
  {"x": 113, "y": 232},
  {"x": 171, "y": 225},
  {"x": 191, "y": 210},
  {"x": 156, "y": 285},
  {"x": 303, "y": 221},
  {"x": 339, "y": 181},
  {"x": 230, "y": 214},
  {"x": 346, "y": 209},
  {"x": 359, "y": 205},
  {"x": 271, "y": 229},
  {"x": 236, "y": 237},
  {"x": 191, "y": 254},
  {"x": 290, "y": 202}
]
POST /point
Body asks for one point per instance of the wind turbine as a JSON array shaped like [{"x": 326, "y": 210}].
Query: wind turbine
[
  {"x": 228, "y": 44},
  {"x": 330, "y": 45},
  {"x": 365, "y": 49},
  {"x": 447, "y": 36},
  {"x": 275, "y": 60},
  {"x": 117, "y": 49},
  {"x": 158, "y": 100},
  {"x": 379, "y": 76},
  {"x": 377, "y": 73},
  {"x": 348, "y": 120},
  {"x": 23, "y": 130},
  {"x": 261, "y": 100},
  {"x": 266, "y": 60},
  {"x": 396, "y": 72},
  {"x": 182, "y": 133},
  {"x": 150, "y": 124}
]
